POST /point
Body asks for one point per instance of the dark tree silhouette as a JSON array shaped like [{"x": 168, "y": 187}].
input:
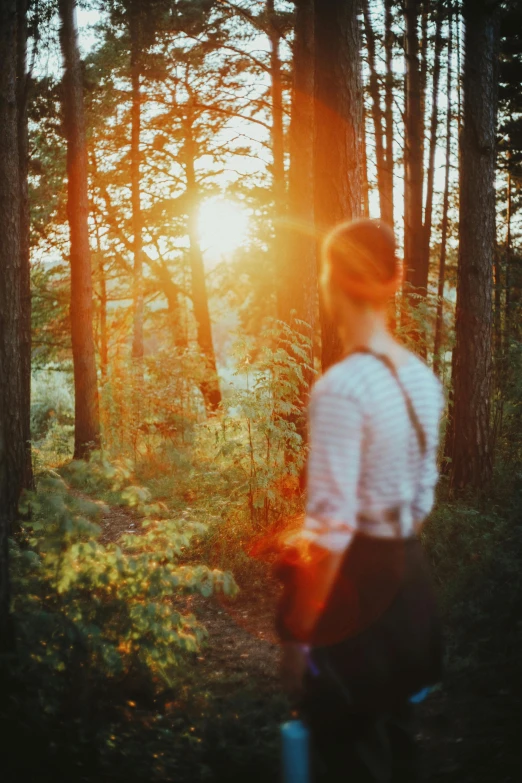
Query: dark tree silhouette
[
  {"x": 472, "y": 458},
  {"x": 12, "y": 399}
]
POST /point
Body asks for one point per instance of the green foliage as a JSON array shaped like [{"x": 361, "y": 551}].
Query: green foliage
[
  {"x": 107, "y": 608},
  {"x": 51, "y": 402},
  {"x": 143, "y": 416},
  {"x": 258, "y": 435},
  {"x": 477, "y": 559}
]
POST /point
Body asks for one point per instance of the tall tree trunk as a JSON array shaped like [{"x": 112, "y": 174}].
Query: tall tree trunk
[
  {"x": 86, "y": 411},
  {"x": 377, "y": 114},
  {"x": 25, "y": 265},
  {"x": 337, "y": 130},
  {"x": 437, "y": 347},
  {"x": 137, "y": 222},
  {"x": 471, "y": 449},
  {"x": 428, "y": 213},
  {"x": 12, "y": 452},
  {"x": 388, "y": 113},
  {"x": 276, "y": 89},
  {"x": 277, "y": 143},
  {"x": 210, "y": 386},
  {"x": 300, "y": 272},
  {"x": 415, "y": 274}
]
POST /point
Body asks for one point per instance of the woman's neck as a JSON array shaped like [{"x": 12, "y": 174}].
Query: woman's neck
[{"x": 372, "y": 334}]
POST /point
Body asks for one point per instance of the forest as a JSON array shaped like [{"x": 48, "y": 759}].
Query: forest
[{"x": 168, "y": 169}]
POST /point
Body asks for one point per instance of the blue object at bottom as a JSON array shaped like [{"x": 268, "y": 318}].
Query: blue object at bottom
[
  {"x": 420, "y": 696},
  {"x": 296, "y": 758}
]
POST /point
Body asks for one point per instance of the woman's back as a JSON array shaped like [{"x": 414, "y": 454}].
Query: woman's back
[{"x": 366, "y": 459}]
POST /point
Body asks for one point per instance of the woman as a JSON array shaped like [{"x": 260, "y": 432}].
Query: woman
[{"x": 360, "y": 595}]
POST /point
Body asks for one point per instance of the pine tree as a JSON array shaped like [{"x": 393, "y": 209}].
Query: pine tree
[
  {"x": 414, "y": 263},
  {"x": 298, "y": 273},
  {"x": 338, "y": 100},
  {"x": 87, "y": 422},
  {"x": 12, "y": 399},
  {"x": 472, "y": 458}
]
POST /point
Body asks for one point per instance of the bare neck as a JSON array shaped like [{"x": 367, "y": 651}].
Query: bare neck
[{"x": 371, "y": 332}]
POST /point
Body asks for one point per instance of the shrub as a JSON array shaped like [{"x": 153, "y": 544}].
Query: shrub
[{"x": 104, "y": 611}]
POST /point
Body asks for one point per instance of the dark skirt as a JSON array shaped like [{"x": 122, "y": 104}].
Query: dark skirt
[
  {"x": 380, "y": 636},
  {"x": 377, "y": 643}
]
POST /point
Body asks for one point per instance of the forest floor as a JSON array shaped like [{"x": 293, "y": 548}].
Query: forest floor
[{"x": 227, "y": 717}]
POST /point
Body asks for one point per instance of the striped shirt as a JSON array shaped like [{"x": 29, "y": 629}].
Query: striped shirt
[{"x": 366, "y": 468}]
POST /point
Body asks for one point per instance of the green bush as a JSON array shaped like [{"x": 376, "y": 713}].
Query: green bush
[
  {"x": 52, "y": 402},
  {"x": 107, "y": 609}
]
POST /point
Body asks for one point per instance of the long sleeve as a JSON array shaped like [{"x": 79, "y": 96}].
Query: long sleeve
[{"x": 336, "y": 430}]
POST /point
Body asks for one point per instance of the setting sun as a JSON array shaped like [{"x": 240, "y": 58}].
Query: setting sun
[{"x": 222, "y": 226}]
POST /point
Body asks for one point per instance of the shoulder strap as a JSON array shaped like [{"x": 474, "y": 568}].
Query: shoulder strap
[{"x": 412, "y": 413}]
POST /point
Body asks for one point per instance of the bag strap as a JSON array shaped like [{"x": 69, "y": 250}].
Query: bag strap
[{"x": 412, "y": 413}]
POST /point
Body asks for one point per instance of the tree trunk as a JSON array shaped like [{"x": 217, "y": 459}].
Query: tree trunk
[
  {"x": 137, "y": 222},
  {"x": 276, "y": 86},
  {"x": 278, "y": 147},
  {"x": 437, "y": 358},
  {"x": 12, "y": 451},
  {"x": 415, "y": 273},
  {"x": 471, "y": 449},
  {"x": 210, "y": 386},
  {"x": 87, "y": 422},
  {"x": 300, "y": 272},
  {"x": 428, "y": 213},
  {"x": 388, "y": 114},
  {"x": 337, "y": 130},
  {"x": 25, "y": 264},
  {"x": 377, "y": 115}
]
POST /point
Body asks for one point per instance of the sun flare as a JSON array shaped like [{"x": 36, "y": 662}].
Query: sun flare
[{"x": 222, "y": 226}]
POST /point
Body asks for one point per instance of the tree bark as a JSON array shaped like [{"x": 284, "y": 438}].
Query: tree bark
[
  {"x": 377, "y": 117},
  {"x": 87, "y": 421},
  {"x": 210, "y": 386},
  {"x": 300, "y": 271},
  {"x": 278, "y": 151},
  {"x": 25, "y": 265},
  {"x": 471, "y": 448},
  {"x": 137, "y": 221},
  {"x": 437, "y": 347},
  {"x": 338, "y": 104},
  {"x": 434, "y": 123},
  {"x": 415, "y": 273},
  {"x": 12, "y": 450}
]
